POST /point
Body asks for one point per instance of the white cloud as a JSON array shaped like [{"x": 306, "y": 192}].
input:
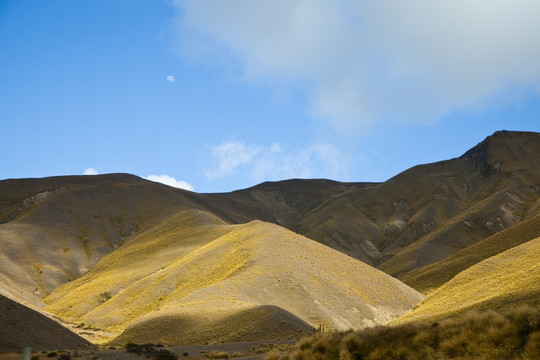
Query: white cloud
[
  {"x": 276, "y": 147},
  {"x": 171, "y": 79},
  {"x": 229, "y": 156},
  {"x": 169, "y": 180},
  {"x": 260, "y": 163},
  {"x": 367, "y": 61},
  {"x": 90, "y": 171}
]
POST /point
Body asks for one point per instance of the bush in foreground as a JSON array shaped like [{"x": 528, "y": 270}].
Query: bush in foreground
[{"x": 488, "y": 335}]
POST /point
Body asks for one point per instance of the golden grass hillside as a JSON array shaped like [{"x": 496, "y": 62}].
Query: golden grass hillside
[
  {"x": 428, "y": 278},
  {"x": 501, "y": 282},
  {"x": 191, "y": 268},
  {"x": 56, "y": 229},
  {"x": 53, "y": 230}
]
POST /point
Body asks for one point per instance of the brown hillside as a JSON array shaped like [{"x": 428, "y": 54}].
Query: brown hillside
[
  {"x": 430, "y": 212},
  {"x": 21, "y": 326},
  {"x": 492, "y": 187}
]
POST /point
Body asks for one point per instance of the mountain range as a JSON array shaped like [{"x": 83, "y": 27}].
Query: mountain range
[{"x": 130, "y": 260}]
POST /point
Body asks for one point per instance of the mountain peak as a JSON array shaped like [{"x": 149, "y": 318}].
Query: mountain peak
[{"x": 513, "y": 149}]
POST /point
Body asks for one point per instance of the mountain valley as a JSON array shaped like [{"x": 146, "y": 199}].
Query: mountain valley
[{"x": 141, "y": 262}]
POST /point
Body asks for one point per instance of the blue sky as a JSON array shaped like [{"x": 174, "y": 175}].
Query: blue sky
[{"x": 221, "y": 95}]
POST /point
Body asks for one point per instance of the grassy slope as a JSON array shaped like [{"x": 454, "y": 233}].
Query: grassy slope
[
  {"x": 511, "y": 335},
  {"x": 55, "y": 229},
  {"x": 60, "y": 227},
  {"x": 229, "y": 268},
  {"x": 429, "y": 278},
  {"x": 500, "y": 282}
]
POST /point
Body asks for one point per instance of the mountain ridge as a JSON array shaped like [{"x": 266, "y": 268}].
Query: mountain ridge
[{"x": 417, "y": 226}]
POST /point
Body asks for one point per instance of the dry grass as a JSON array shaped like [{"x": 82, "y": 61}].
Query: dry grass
[
  {"x": 488, "y": 335},
  {"x": 429, "y": 278},
  {"x": 190, "y": 267},
  {"x": 500, "y": 282}
]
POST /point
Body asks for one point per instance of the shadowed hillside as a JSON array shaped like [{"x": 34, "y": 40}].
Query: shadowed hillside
[
  {"x": 21, "y": 326},
  {"x": 491, "y": 187},
  {"x": 251, "y": 324}
]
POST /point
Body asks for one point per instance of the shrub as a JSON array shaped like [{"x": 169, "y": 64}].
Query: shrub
[
  {"x": 164, "y": 354},
  {"x": 52, "y": 354},
  {"x": 305, "y": 343},
  {"x": 104, "y": 297},
  {"x": 272, "y": 355},
  {"x": 219, "y": 355}
]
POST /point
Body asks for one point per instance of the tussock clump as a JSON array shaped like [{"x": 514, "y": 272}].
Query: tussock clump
[
  {"x": 219, "y": 355},
  {"x": 273, "y": 355},
  {"x": 487, "y": 335}
]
